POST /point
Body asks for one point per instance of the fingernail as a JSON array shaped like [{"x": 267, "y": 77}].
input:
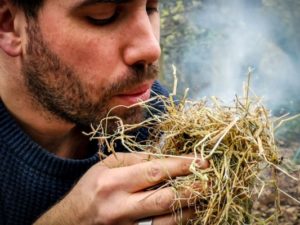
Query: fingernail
[{"x": 201, "y": 163}]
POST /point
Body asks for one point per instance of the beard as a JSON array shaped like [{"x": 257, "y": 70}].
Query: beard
[{"x": 57, "y": 87}]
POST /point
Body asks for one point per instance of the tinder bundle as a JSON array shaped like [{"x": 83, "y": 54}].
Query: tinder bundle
[{"x": 237, "y": 140}]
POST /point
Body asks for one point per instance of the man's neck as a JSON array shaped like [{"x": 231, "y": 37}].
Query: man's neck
[
  {"x": 69, "y": 144},
  {"x": 58, "y": 137}
]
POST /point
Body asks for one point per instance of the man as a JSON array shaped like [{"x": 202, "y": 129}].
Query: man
[{"x": 63, "y": 66}]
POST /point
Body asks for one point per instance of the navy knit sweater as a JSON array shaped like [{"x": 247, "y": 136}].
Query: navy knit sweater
[{"x": 31, "y": 178}]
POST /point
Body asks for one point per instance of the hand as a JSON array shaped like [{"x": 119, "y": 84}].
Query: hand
[{"x": 113, "y": 192}]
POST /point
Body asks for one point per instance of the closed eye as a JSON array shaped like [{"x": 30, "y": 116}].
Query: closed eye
[
  {"x": 104, "y": 21},
  {"x": 101, "y": 14},
  {"x": 152, "y": 6},
  {"x": 152, "y": 10}
]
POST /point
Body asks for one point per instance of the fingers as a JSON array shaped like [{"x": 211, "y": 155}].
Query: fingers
[
  {"x": 148, "y": 174},
  {"x": 127, "y": 177},
  {"x": 182, "y": 217},
  {"x": 158, "y": 202},
  {"x": 124, "y": 159},
  {"x": 128, "y": 159},
  {"x": 152, "y": 203}
]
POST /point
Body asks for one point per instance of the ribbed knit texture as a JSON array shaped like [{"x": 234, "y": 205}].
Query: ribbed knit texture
[{"x": 32, "y": 179}]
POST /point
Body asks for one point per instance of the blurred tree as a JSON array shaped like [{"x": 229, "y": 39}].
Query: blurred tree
[{"x": 177, "y": 34}]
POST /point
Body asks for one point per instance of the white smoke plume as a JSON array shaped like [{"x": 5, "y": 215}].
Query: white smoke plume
[{"x": 241, "y": 36}]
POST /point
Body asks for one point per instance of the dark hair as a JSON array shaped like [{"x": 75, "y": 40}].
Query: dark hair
[{"x": 30, "y": 7}]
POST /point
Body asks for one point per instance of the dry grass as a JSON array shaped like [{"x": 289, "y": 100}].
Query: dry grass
[{"x": 237, "y": 140}]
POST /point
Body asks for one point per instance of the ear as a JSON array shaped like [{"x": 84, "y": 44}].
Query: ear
[{"x": 10, "y": 41}]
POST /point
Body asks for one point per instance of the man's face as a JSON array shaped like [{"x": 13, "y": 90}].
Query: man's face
[{"x": 84, "y": 57}]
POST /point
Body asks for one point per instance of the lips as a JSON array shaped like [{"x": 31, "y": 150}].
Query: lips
[{"x": 134, "y": 95}]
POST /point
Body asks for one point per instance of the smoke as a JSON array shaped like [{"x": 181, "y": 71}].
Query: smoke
[{"x": 233, "y": 36}]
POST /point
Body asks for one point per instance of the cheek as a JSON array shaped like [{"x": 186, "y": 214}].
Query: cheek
[
  {"x": 91, "y": 56},
  {"x": 95, "y": 60},
  {"x": 95, "y": 56}
]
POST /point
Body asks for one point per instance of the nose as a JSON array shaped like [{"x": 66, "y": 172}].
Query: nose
[{"x": 142, "y": 40}]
